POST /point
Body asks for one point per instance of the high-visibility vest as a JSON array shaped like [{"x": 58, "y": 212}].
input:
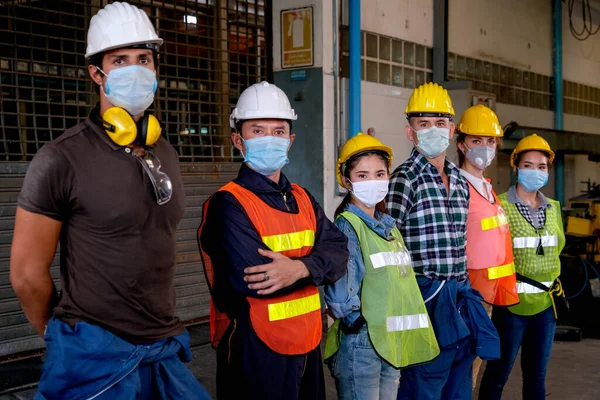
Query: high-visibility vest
[
  {"x": 391, "y": 302},
  {"x": 288, "y": 324},
  {"x": 489, "y": 251},
  {"x": 541, "y": 268}
]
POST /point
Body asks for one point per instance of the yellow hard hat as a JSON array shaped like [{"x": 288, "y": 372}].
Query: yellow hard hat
[
  {"x": 532, "y": 142},
  {"x": 359, "y": 144},
  {"x": 430, "y": 98},
  {"x": 480, "y": 120}
]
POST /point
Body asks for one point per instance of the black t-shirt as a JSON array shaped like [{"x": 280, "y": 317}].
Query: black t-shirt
[{"x": 117, "y": 245}]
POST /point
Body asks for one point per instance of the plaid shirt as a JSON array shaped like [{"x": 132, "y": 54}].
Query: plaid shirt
[
  {"x": 433, "y": 224},
  {"x": 537, "y": 217}
]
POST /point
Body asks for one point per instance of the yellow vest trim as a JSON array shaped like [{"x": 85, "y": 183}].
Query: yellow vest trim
[
  {"x": 293, "y": 308},
  {"x": 493, "y": 222},
  {"x": 501, "y": 271},
  {"x": 290, "y": 241}
]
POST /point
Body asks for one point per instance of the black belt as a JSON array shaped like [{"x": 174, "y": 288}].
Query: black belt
[{"x": 355, "y": 327}]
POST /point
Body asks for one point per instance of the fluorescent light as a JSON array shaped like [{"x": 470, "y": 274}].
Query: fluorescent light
[{"x": 190, "y": 19}]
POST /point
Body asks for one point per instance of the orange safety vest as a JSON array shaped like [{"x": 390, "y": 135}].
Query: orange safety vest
[
  {"x": 287, "y": 324},
  {"x": 489, "y": 251}
]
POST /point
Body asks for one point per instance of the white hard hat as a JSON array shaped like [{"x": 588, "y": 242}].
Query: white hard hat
[
  {"x": 262, "y": 100},
  {"x": 120, "y": 25}
]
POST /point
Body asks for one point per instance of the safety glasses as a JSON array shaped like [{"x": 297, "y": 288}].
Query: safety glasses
[{"x": 163, "y": 189}]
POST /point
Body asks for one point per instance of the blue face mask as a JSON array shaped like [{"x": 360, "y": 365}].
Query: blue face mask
[
  {"x": 131, "y": 88},
  {"x": 532, "y": 180},
  {"x": 266, "y": 155},
  {"x": 433, "y": 141}
]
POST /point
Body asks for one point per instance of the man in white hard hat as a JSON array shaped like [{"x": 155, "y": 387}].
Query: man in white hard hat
[
  {"x": 266, "y": 246},
  {"x": 110, "y": 190}
]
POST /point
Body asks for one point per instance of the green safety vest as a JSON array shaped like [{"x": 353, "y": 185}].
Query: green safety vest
[
  {"x": 541, "y": 268},
  {"x": 391, "y": 302}
]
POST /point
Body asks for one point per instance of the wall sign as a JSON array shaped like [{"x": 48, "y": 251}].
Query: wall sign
[
  {"x": 489, "y": 101},
  {"x": 297, "y": 48}
]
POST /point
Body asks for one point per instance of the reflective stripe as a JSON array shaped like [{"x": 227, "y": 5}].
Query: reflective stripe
[
  {"x": 531, "y": 242},
  {"x": 293, "y": 308},
  {"x": 407, "y": 322},
  {"x": 290, "y": 241},
  {"x": 380, "y": 260},
  {"x": 501, "y": 271},
  {"x": 523, "y": 287},
  {"x": 493, "y": 222}
]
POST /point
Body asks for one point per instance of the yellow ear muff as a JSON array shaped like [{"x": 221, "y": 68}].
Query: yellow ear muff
[
  {"x": 153, "y": 130},
  {"x": 119, "y": 126}
]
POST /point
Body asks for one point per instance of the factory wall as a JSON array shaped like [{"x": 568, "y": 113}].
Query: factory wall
[{"x": 512, "y": 35}]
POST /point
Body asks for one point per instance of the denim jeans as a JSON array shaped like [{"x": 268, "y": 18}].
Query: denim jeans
[
  {"x": 360, "y": 373},
  {"x": 446, "y": 377},
  {"x": 535, "y": 335}
]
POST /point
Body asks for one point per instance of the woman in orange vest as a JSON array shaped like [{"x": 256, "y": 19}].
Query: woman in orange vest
[{"x": 489, "y": 248}]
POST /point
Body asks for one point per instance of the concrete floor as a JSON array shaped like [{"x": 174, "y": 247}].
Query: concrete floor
[{"x": 574, "y": 373}]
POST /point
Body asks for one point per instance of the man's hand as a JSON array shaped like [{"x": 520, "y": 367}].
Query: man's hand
[{"x": 280, "y": 273}]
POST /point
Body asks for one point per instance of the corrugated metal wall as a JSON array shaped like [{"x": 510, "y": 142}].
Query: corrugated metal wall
[
  {"x": 212, "y": 51},
  {"x": 16, "y": 334},
  {"x": 200, "y": 181}
]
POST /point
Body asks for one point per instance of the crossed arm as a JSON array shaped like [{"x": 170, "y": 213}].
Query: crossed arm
[{"x": 233, "y": 243}]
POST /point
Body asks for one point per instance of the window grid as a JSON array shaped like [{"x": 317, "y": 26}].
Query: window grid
[
  {"x": 397, "y": 62},
  {"x": 389, "y": 61},
  {"x": 213, "y": 50}
]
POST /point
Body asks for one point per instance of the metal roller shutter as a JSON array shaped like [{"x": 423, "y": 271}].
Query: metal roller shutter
[
  {"x": 16, "y": 334},
  {"x": 200, "y": 181},
  {"x": 213, "y": 50}
]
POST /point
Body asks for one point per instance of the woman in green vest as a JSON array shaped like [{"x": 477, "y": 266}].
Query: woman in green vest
[
  {"x": 381, "y": 321},
  {"x": 537, "y": 233}
]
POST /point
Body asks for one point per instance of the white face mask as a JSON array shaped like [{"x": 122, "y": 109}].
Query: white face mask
[
  {"x": 370, "y": 192},
  {"x": 433, "y": 141}
]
